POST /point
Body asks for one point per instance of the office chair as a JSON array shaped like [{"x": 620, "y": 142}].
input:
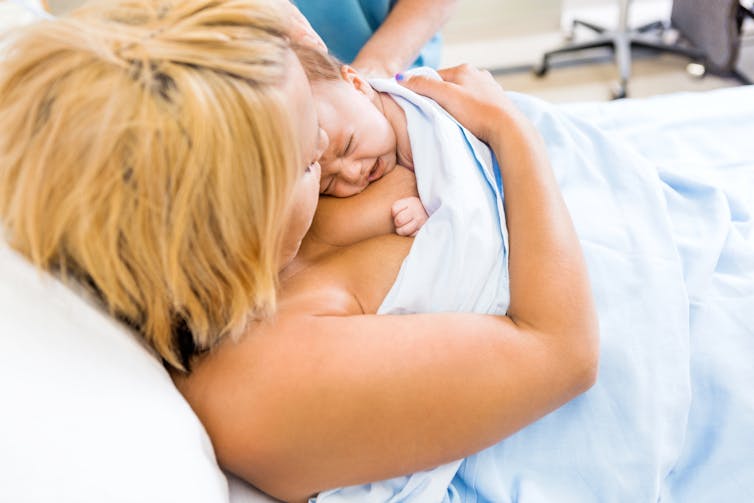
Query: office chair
[
  {"x": 620, "y": 40},
  {"x": 714, "y": 27}
]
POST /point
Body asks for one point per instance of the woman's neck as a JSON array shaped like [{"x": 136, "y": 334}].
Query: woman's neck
[
  {"x": 313, "y": 248},
  {"x": 397, "y": 120}
]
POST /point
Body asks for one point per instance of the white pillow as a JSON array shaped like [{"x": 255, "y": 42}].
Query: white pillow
[
  {"x": 88, "y": 413},
  {"x": 15, "y": 13}
]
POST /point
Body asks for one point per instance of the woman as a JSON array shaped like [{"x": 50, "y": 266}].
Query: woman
[{"x": 166, "y": 155}]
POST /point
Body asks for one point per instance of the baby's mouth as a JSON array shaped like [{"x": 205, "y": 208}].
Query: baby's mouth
[{"x": 376, "y": 172}]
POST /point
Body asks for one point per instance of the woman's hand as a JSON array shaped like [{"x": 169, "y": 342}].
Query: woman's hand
[
  {"x": 300, "y": 31},
  {"x": 470, "y": 95}
]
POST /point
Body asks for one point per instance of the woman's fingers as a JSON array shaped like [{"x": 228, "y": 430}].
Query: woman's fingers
[
  {"x": 470, "y": 95},
  {"x": 439, "y": 90},
  {"x": 456, "y": 74},
  {"x": 425, "y": 86}
]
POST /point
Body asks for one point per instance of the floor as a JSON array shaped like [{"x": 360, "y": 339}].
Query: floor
[{"x": 596, "y": 79}]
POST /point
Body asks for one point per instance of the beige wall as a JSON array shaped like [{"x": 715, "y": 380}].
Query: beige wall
[
  {"x": 482, "y": 19},
  {"x": 62, "y": 6},
  {"x": 473, "y": 19},
  {"x": 479, "y": 19}
]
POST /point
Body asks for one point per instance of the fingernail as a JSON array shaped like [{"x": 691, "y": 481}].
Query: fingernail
[{"x": 398, "y": 77}]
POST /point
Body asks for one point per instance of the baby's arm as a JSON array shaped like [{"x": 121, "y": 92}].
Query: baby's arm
[
  {"x": 344, "y": 221},
  {"x": 408, "y": 216}
]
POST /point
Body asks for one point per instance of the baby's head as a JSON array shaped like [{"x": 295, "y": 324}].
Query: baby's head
[{"x": 362, "y": 141}]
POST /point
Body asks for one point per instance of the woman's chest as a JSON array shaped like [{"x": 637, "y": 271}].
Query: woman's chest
[{"x": 346, "y": 281}]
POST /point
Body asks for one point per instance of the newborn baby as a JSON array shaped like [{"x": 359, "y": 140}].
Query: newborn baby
[{"x": 367, "y": 132}]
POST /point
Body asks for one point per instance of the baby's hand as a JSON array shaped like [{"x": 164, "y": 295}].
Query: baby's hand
[{"x": 408, "y": 216}]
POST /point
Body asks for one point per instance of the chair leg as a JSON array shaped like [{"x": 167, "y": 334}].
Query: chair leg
[
  {"x": 591, "y": 26},
  {"x": 544, "y": 67},
  {"x": 694, "y": 54},
  {"x": 593, "y": 44},
  {"x": 657, "y": 25},
  {"x": 741, "y": 16},
  {"x": 742, "y": 78},
  {"x": 623, "y": 61}
]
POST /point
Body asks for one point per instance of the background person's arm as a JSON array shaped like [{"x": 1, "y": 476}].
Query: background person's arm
[{"x": 397, "y": 42}]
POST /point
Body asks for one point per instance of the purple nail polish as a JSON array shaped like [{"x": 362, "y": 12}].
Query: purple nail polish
[{"x": 398, "y": 77}]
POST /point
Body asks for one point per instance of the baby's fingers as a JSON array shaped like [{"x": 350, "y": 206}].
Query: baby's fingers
[
  {"x": 400, "y": 205},
  {"x": 402, "y": 217},
  {"x": 409, "y": 229}
]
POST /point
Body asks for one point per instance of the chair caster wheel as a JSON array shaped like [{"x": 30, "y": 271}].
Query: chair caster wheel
[
  {"x": 619, "y": 92},
  {"x": 541, "y": 70},
  {"x": 696, "y": 70}
]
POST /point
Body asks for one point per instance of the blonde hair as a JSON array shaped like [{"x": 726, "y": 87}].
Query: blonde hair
[{"x": 145, "y": 149}]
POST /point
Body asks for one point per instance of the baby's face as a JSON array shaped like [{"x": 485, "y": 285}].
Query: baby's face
[{"x": 362, "y": 142}]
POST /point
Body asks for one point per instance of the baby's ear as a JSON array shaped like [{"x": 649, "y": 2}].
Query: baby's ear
[{"x": 351, "y": 76}]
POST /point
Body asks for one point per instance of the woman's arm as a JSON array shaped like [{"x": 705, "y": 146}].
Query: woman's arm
[
  {"x": 544, "y": 249},
  {"x": 344, "y": 221},
  {"x": 397, "y": 42},
  {"x": 316, "y": 402},
  {"x": 305, "y": 402}
]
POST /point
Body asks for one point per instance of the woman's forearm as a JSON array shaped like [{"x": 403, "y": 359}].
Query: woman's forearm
[
  {"x": 397, "y": 42},
  {"x": 549, "y": 286},
  {"x": 549, "y": 283}
]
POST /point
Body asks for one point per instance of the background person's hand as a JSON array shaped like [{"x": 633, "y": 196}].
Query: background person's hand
[
  {"x": 300, "y": 31},
  {"x": 471, "y": 96}
]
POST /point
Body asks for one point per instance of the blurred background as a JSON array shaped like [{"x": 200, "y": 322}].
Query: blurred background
[{"x": 508, "y": 37}]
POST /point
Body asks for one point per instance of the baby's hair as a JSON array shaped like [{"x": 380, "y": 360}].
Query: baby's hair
[
  {"x": 146, "y": 151},
  {"x": 318, "y": 65}
]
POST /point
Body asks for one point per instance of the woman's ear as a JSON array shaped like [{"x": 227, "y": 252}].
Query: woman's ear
[{"x": 351, "y": 76}]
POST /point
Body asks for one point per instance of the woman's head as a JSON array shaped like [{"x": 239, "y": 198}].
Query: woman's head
[
  {"x": 362, "y": 143},
  {"x": 149, "y": 147}
]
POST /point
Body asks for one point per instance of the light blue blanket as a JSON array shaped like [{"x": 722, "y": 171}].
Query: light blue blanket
[{"x": 670, "y": 253}]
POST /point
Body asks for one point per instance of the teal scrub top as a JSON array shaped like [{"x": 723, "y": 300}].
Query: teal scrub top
[{"x": 346, "y": 25}]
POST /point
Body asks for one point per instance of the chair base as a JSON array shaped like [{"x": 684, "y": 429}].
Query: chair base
[{"x": 621, "y": 42}]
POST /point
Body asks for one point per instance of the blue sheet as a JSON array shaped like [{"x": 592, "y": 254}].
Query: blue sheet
[{"x": 670, "y": 253}]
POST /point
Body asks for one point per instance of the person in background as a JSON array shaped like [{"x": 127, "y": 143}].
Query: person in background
[{"x": 380, "y": 37}]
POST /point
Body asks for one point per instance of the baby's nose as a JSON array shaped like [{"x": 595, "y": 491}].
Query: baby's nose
[{"x": 352, "y": 173}]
